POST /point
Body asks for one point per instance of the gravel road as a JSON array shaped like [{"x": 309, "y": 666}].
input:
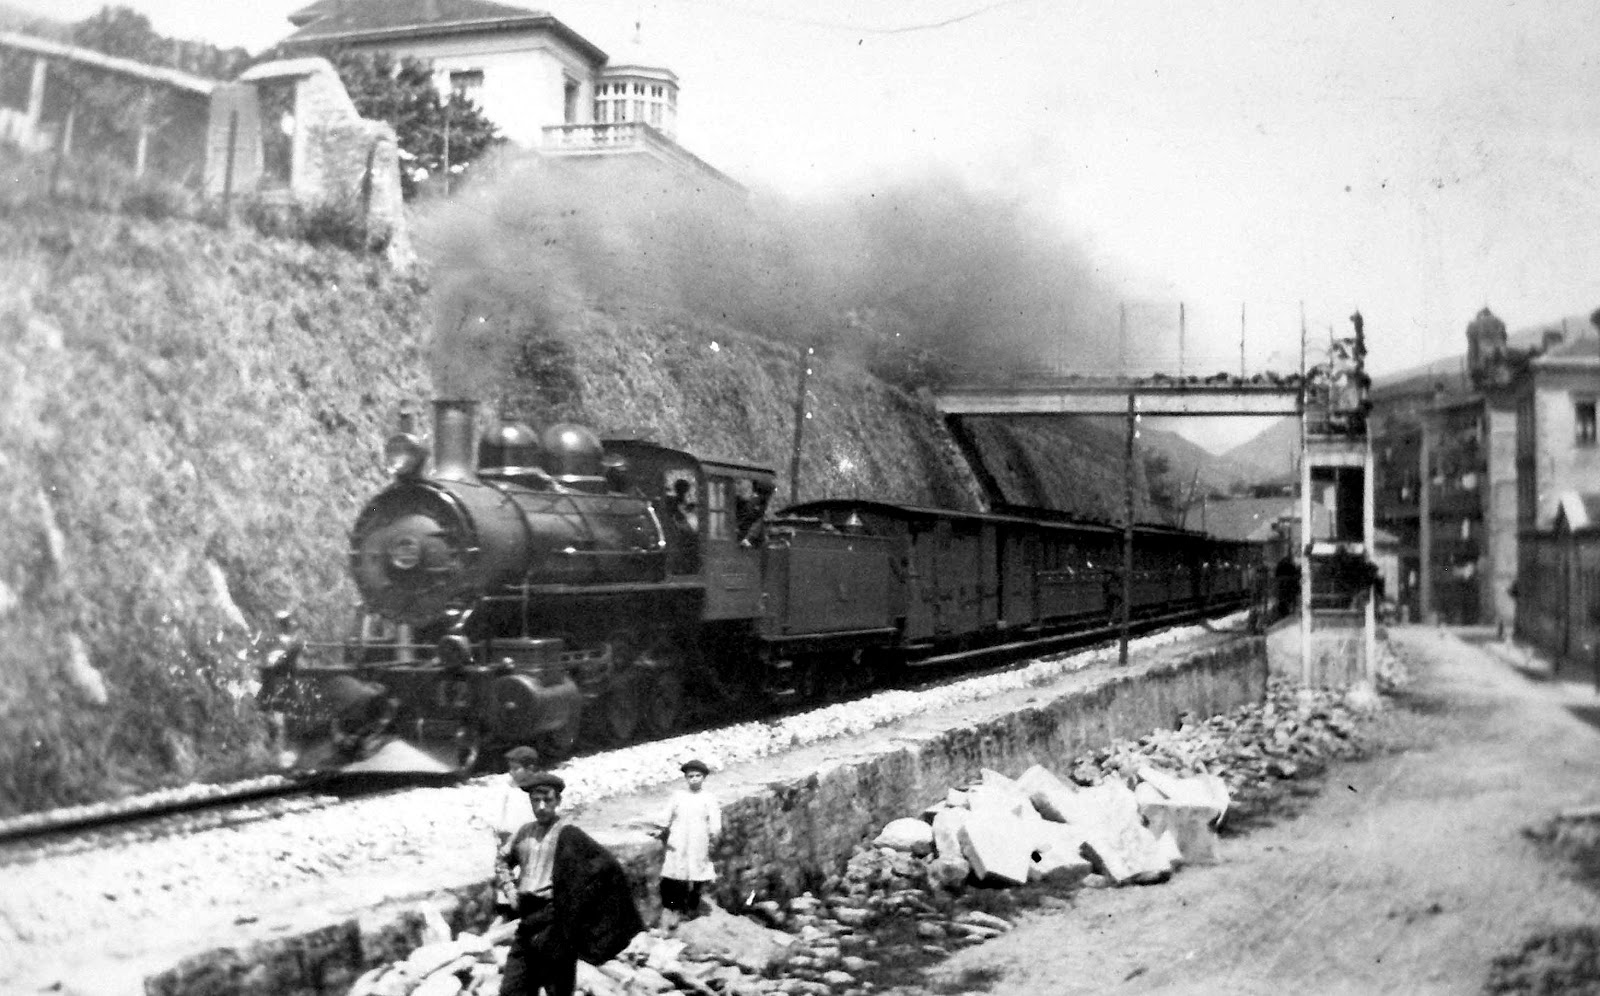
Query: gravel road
[{"x": 1409, "y": 872}]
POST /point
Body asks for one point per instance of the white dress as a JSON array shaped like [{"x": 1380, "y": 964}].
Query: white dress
[{"x": 693, "y": 819}]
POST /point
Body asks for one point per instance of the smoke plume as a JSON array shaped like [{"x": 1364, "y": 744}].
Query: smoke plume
[{"x": 927, "y": 262}]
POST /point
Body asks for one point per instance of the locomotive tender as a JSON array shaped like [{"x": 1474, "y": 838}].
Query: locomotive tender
[{"x": 528, "y": 588}]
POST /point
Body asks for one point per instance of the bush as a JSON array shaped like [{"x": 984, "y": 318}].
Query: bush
[{"x": 339, "y": 223}]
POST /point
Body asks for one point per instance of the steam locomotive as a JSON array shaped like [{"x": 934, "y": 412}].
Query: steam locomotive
[{"x": 528, "y": 588}]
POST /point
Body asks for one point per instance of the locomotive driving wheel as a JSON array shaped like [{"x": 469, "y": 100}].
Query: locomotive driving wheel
[
  {"x": 619, "y": 712},
  {"x": 558, "y": 744},
  {"x": 661, "y": 667}
]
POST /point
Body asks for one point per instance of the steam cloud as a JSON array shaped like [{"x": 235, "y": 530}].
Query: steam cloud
[{"x": 964, "y": 274}]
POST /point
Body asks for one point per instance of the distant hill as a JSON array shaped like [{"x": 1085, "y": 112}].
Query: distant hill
[
  {"x": 1269, "y": 453},
  {"x": 1216, "y": 473}
]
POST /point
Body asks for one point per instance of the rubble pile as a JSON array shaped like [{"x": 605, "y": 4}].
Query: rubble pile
[
  {"x": 1294, "y": 732},
  {"x": 1130, "y": 814}
]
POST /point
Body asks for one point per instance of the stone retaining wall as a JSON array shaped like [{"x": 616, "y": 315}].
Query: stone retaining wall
[{"x": 791, "y": 821}]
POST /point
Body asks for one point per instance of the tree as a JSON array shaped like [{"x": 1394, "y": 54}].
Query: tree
[
  {"x": 434, "y": 134},
  {"x": 126, "y": 33},
  {"x": 1165, "y": 493}
]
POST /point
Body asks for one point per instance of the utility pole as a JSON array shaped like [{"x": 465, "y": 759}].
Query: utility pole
[
  {"x": 1127, "y": 528},
  {"x": 1241, "y": 340},
  {"x": 447, "y": 145},
  {"x": 1181, "y": 323},
  {"x": 1122, "y": 339},
  {"x": 799, "y": 424},
  {"x": 1303, "y": 483}
]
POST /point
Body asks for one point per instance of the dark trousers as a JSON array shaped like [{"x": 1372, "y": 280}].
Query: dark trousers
[
  {"x": 540, "y": 958},
  {"x": 681, "y": 896}
]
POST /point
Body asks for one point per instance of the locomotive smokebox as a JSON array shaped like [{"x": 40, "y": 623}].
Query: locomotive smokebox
[{"x": 455, "y": 440}]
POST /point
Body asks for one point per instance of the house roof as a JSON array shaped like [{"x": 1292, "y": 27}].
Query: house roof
[
  {"x": 1450, "y": 372},
  {"x": 174, "y": 78},
  {"x": 328, "y": 23},
  {"x": 1579, "y": 347}
]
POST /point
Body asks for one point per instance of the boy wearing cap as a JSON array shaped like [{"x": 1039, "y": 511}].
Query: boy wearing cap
[
  {"x": 692, "y": 826},
  {"x": 571, "y": 896}
]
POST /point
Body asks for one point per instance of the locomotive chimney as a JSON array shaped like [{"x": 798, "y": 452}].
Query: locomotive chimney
[{"x": 455, "y": 440}]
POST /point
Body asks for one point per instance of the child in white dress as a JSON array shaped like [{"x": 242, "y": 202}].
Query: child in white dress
[{"x": 691, "y": 828}]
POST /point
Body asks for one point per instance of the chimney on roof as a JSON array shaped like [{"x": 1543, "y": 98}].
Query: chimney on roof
[
  {"x": 1553, "y": 338},
  {"x": 1486, "y": 345}
]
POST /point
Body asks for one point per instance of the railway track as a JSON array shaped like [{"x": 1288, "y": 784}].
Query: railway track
[
  {"x": 196, "y": 808},
  {"x": 157, "y": 814}
]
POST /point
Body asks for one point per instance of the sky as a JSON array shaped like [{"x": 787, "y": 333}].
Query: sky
[{"x": 1248, "y": 159}]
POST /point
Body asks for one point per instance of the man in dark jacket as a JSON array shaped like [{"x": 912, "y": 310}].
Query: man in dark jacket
[{"x": 572, "y": 897}]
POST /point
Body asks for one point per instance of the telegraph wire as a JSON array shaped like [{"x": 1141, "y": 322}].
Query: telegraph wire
[{"x": 856, "y": 28}]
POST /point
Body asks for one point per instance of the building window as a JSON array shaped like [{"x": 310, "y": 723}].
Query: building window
[
  {"x": 466, "y": 82},
  {"x": 569, "y": 100},
  {"x": 1583, "y": 416}
]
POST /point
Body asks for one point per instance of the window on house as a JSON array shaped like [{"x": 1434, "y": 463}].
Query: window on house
[
  {"x": 1584, "y": 416},
  {"x": 569, "y": 100},
  {"x": 466, "y": 82},
  {"x": 619, "y": 111}
]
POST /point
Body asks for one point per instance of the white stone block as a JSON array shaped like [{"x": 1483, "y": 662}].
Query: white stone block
[
  {"x": 1190, "y": 828},
  {"x": 998, "y": 846},
  {"x": 946, "y": 828},
  {"x": 907, "y": 834}
]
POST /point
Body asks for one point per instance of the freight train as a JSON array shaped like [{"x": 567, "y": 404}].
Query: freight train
[{"x": 535, "y": 588}]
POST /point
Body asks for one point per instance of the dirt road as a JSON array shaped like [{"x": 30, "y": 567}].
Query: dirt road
[{"x": 1408, "y": 873}]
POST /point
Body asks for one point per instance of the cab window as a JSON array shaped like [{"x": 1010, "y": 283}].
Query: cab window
[{"x": 719, "y": 517}]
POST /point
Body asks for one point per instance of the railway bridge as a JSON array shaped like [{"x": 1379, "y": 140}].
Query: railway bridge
[{"x": 1337, "y": 641}]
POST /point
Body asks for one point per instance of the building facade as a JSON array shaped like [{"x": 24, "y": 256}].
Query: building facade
[{"x": 1477, "y": 451}]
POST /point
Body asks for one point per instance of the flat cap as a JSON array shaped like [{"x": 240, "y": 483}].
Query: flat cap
[
  {"x": 694, "y": 765},
  {"x": 545, "y": 779},
  {"x": 523, "y": 755}
]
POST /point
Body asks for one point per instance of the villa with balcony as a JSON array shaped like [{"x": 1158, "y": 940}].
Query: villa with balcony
[{"x": 547, "y": 88}]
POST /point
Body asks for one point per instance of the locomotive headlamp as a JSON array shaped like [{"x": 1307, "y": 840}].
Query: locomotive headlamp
[
  {"x": 404, "y": 455},
  {"x": 405, "y": 553},
  {"x": 455, "y": 650}
]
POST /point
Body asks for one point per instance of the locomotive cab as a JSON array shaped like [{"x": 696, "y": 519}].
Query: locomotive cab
[{"x": 713, "y": 514}]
